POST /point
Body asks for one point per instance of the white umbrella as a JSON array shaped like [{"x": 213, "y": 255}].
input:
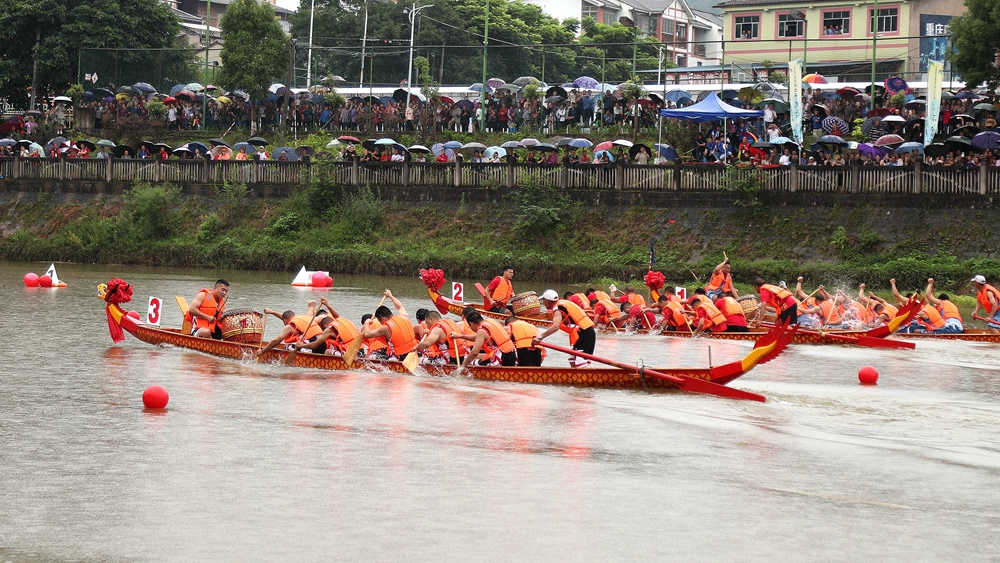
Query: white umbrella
[{"x": 622, "y": 143}]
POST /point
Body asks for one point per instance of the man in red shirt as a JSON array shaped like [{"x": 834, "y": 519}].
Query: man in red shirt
[
  {"x": 500, "y": 291},
  {"x": 780, "y": 299}
]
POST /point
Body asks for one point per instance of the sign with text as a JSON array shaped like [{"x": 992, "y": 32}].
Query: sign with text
[
  {"x": 154, "y": 311},
  {"x": 934, "y": 38},
  {"x": 457, "y": 291},
  {"x": 681, "y": 292}
]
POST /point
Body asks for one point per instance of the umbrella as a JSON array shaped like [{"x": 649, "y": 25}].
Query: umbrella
[
  {"x": 68, "y": 146},
  {"x": 556, "y": 91},
  {"x": 947, "y": 95},
  {"x": 910, "y": 147},
  {"x": 185, "y": 94},
  {"x": 369, "y": 144},
  {"x": 169, "y": 100},
  {"x": 984, "y": 107},
  {"x": 342, "y": 138},
  {"x": 826, "y": 96},
  {"x": 762, "y": 145},
  {"x": 622, "y": 143},
  {"x": 814, "y": 79},
  {"x": 241, "y": 94},
  {"x": 750, "y": 95},
  {"x": 863, "y": 98},
  {"x": 119, "y": 151},
  {"x": 303, "y": 150},
  {"x": 121, "y": 96},
  {"x": 636, "y": 148},
  {"x": 580, "y": 143},
  {"x": 823, "y": 109},
  {"x": 159, "y": 146},
  {"x": 194, "y": 87},
  {"x": 879, "y": 112},
  {"x": 85, "y": 143},
  {"x": 888, "y": 140},
  {"x": 879, "y": 89},
  {"x": 32, "y": 147},
  {"x": 606, "y": 154},
  {"x": 103, "y": 93},
  {"x": 54, "y": 142},
  {"x": 987, "y": 140},
  {"x": 525, "y": 80},
  {"x": 200, "y": 148},
  {"x": 587, "y": 83},
  {"x": 968, "y": 130},
  {"x": 506, "y": 88},
  {"x": 478, "y": 87},
  {"x": 529, "y": 142},
  {"x": 870, "y": 127},
  {"x": 183, "y": 149},
  {"x": 606, "y": 145},
  {"x": 666, "y": 152},
  {"x": 223, "y": 100},
  {"x": 895, "y": 84},
  {"x": 222, "y": 150},
  {"x": 936, "y": 150},
  {"x": 780, "y": 106},
  {"x": 143, "y": 87},
  {"x": 105, "y": 143},
  {"x": 288, "y": 152},
  {"x": 871, "y": 151},
  {"x": 150, "y": 146},
  {"x": 677, "y": 95},
  {"x": 333, "y": 143},
  {"x": 65, "y": 99},
  {"x": 965, "y": 94},
  {"x": 495, "y": 82},
  {"x": 848, "y": 92},
  {"x": 544, "y": 147},
  {"x": 471, "y": 146},
  {"x": 511, "y": 145},
  {"x": 554, "y": 100},
  {"x": 173, "y": 90},
  {"x": 729, "y": 95},
  {"x": 494, "y": 151},
  {"x": 385, "y": 141},
  {"x": 419, "y": 148},
  {"x": 893, "y": 119},
  {"x": 218, "y": 143},
  {"x": 250, "y": 149},
  {"x": 835, "y": 140},
  {"x": 273, "y": 88},
  {"x": 467, "y": 105},
  {"x": 959, "y": 143},
  {"x": 561, "y": 141},
  {"x": 7, "y": 142},
  {"x": 836, "y": 126},
  {"x": 917, "y": 105},
  {"x": 453, "y": 145},
  {"x": 961, "y": 118},
  {"x": 125, "y": 90}
]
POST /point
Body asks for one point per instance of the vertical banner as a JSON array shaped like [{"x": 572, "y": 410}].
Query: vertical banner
[
  {"x": 935, "y": 77},
  {"x": 795, "y": 98}
]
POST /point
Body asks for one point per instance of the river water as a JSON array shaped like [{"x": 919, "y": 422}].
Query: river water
[{"x": 266, "y": 463}]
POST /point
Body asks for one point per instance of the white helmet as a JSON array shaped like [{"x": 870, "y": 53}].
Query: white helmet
[{"x": 550, "y": 295}]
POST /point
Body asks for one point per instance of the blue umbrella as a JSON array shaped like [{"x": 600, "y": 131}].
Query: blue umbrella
[
  {"x": 666, "y": 151},
  {"x": 781, "y": 141},
  {"x": 7, "y": 142},
  {"x": 143, "y": 87},
  {"x": 605, "y": 154},
  {"x": 478, "y": 87},
  {"x": 827, "y": 96},
  {"x": 200, "y": 148},
  {"x": 676, "y": 95},
  {"x": 581, "y": 143},
  {"x": 490, "y": 152},
  {"x": 88, "y": 96},
  {"x": 586, "y": 82},
  {"x": 244, "y": 145},
  {"x": 387, "y": 100},
  {"x": 511, "y": 145},
  {"x": 385, "y": 141},
  {"x": 177, "y": 88},
  {"x": 452, "y": 145},
  {"x": 289, "y": 153},
  {"x": 439, "y": 148},
  {"x": 910, "y": 147},
  {"x": 831, "y": 140}
]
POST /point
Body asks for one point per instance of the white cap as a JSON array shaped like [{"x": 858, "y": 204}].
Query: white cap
[
  {"x": 979, "y": 279},
  {"x": 551, "y": 295}
]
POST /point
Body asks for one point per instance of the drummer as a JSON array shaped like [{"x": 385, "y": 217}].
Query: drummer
[
  {"x": 206, "y": 308},
  {"x": 500, "y": 290}
]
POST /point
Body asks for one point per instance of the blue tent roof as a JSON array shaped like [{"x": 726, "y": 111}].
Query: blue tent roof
[{"x": 710, "y": 109}]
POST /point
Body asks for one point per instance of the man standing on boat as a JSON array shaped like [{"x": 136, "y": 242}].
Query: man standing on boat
[
  {"x": 206, "y": 308},
  {"x": 571, "y": 318},
  {"x": 501, "y": 290},
  {"x": 988, "y": 298},
  {"x": 780, "y": 299},
  {"x": 396, "y": 329}
]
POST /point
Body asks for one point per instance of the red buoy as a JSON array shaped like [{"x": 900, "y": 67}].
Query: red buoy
[
  {"x": 133, "y": 314},
  {"x": 329, "y": 281},
  {"x": 318, "y": 279},
  {"x": 45, "y": 281},
  {"x": 868, "y": 376},
  {"x": 155, "y": 397},
  {"x": 31, "y": 279}
]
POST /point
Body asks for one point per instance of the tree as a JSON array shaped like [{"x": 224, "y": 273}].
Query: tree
[
  {"x": 64, "y": 28},
  {"x": 975, "y": 38},
  {"x": 606, "y": 50},
  {"x": 255, "y": 50}
]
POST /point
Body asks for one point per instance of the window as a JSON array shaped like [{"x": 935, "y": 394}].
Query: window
[
  {"x": 668, "y": 27},
  {"x": 747, "y": 27},
  {"x": 788, "y": 27},
  {"x": 610, "y": 16},
  {"x": 681, "y": 31},
  {"x": 589, "y": 11},
  {"x": 837, "y": 23},
  {"x": 649, "y": 25},
  {"x": 888, "y": 20},
  {"x": 682, "y": 61}
]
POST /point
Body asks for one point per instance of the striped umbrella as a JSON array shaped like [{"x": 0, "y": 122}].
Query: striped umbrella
[
  {"x": 836, "y": 126},
  {"x": 987, "y": 140},
  {"x": 814, "y": 79}
]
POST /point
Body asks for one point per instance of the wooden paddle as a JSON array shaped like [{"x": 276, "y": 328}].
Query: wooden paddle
[
  {"x": 683, "y": 382},
  {"x": 290, "y": 359},
  {"x": 263, "y": 327},
  {"x": 351, "y": 354}
]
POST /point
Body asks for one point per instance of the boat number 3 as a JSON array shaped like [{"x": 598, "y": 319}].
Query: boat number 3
[
  {"x": 153, "y": 311},
  {"x": 457, "y": 291}
]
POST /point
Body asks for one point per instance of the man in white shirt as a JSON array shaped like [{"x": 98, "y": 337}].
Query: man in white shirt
[
  {"x": 785, "y": 159},
  {"x": 769, "y": 115}
]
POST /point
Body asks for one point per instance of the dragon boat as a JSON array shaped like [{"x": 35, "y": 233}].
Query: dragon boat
[
  {"x": 117, "y": 291},
  {"x": 970, "y": 335}
]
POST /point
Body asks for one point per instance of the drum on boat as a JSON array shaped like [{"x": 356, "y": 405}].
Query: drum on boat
[
  {"x": 750, "y": 306},
  {"x": 242, "y": 325},
  {"x": 526, "y": 303}
]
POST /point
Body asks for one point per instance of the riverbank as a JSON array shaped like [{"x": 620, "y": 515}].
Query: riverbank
[{"x": 546, "y": 235}]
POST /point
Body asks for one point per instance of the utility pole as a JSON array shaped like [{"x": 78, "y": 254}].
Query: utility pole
[
  {"x": 409, "y": 69},
  {"x": 874, "y": 25},
  {"x": 34, "y": 69},
  {"x": 288, "y": 88},
  {"x": 482, "y": 93},
  {"x": 364, "y": 43},
  {"x": 309, "y": 57},
  {"x": 208, "y": 41}
]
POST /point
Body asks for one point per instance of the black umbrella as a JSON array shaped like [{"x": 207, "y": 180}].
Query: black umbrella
[
  {"x": 119, "y": 151},
  {"x": 85, "y": 143},
  {"x": 564, "y": 142},
  {"x": 656, "y": 99},
  {"x": 870, "y": 127},
  {"x": 762, "y": 145},
  {"x": 159, "y": 146},
  {"x": 936, "y": 150},
  {"x": 823, "y": 109},
  {"x": 303, "y": 150},
  {"x": 961, "y": 119},
  {"x": 258, "y": 141},
  {"x": 525, "y": 80},
  {"x": 369, "y": 144},
  {"x": 218, "y": 143},
  {"x": 967, "y": 130},
  {"x": 636, "y": 148},
  {"x": 556, "y": 91},
  {"x": 150, "y": 146},
  {"x": 103, "y": 93}
]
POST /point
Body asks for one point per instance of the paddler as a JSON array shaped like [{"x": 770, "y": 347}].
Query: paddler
[
  {"x": 779, "y": 298},
  {"x": 987, "y": 297},
  {"x": 672, "y": 310},
  {"x": 438, "y": 346},
  {"x": 397, "y": 330},
  {"x": 949, "y": 311},
  {"x": 630, "y": 296},
  {"x": 338, "y": 333},
  {"x": 736, "y": 320},
  {"x": 297, "y": 327},
  {"x": 491, "y": 337},
  {"x": 709, "y": 317},
  {"x": 523, "y": 334},
  {"x": 570, "y": 317},
  {"x": 721, "y": 280},
  {"x": 501, "y": 290},
  {"x": 206, "y": 308},
  {"x": 606, "y": 312}
]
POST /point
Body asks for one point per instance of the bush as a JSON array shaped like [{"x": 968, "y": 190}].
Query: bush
[
  {"x": 541, "y": 210},
  {"x": 209, "y": 228},
  {"x": 287, "y": 223},
  {"x": 362, "y": 212},
  {"x": 149, "y": 212}
]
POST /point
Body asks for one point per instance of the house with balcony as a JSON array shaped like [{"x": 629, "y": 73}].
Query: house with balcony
[{"x": 837, "y": 38}]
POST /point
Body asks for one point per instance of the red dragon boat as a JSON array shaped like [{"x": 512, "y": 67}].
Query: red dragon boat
[
  {"x": 970, "y": 335},
  {"x": 117, "y": 291}
]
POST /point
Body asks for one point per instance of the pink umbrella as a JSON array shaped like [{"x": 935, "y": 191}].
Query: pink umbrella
[
  {"x": 814, "y": 79},
  {"x": 888, "y": 140},
  {"x": 605, "y": 146}
]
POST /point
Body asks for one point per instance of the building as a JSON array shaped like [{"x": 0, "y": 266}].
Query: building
[
  {"x": 198, "y": 9},
  {"x": 838, "y": 36}
]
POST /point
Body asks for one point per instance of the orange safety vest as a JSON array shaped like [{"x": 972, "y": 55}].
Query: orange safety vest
[
  {"x": 720, "y": 280},
  {"x": 584, "y": 302},
  {"x": 610, "y": 310},
  {"x": 891, "y": 310},
  {"x": 950, "y": 311},
  {"x": 449, "y": 344},
  {"x": 377, "y": 343},
  {"x": 503, "y": 291},
  {"x": 346, "y": 333},
  {"x": 778, "y": 296},
  {"x": 733, "y": 311},
  {"x": 299, "y": 323},
  {"x": 676, "y": 317},
  {"x": 577, "y": 317},
  {"x": 210, "y": 307},
  {"x": 714, "y": 315},
  {"x": 522, "y": 333},
  {"x": 401, "y": 336},
  {"x": 934, "y": 319},
  {"x": 981, "y": 296},
  {"x": 635, "y": 299},
  {"x": 600, "y": 295},
  {"x": 498, "y": 336},
  {"x": 830, "y": 315}
]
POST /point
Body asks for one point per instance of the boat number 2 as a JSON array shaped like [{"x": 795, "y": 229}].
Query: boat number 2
[
  {"x": 153, "y": 312},
  {"x": 457, "y": 291}
]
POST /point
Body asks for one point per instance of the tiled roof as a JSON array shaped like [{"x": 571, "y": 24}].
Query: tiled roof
[{"x": 736, "y": 3}]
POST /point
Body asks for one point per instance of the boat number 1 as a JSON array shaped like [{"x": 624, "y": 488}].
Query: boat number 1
[
  {"x": 457, "y": 291},
  {"x": 153, "y": 312}
]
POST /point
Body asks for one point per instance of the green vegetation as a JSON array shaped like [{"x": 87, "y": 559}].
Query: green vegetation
[
  {"x": 975, "y": 40},
  {"x": 544, "y": 234}
]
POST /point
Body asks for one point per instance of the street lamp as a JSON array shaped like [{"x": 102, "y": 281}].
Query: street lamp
[
  {"x": 413, "y": 11},
  {"x": 799, "y": 15}
]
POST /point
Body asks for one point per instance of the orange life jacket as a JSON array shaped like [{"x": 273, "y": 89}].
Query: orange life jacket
[
  {"x": 830, "y": 314},
  {"x": 610, "y": 311},
  {"x": 934, "y": 319},
  {"x": 601, "y": 295},
  {"x": 584, "y": 301},
  {"x": 981, "y": 296},
  {"x": 499, "y": 338},
  {"x": 635, "y": 299},
  {"x": 301, "y": 325},
  {"x": 449, "y": 344},
  {"x": 522, "y": 333},
  {"x": 720, "y": 280},
  {"x": 503, "y": 291},
  {"x": 950, "y": 311},
  {"x": 346, "y": 333},
  {"x": 210, "y": 307},
  {"x": 674, "y": 314},
  {"x": 377, "y": 343},
  {"x": 891, "y": 310},
  {"x": 576, "y": 316},
  {"x": 401, "y": 336},
  {"x": 733, "y": 311},
  {"x": 713, "y": 315},
  {"x": 778, "y": 296}
]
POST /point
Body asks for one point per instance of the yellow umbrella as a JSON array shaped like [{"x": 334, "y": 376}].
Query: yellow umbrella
[
  {"x": 121, "y": 97},
  {"x": 223, "y": 100}
]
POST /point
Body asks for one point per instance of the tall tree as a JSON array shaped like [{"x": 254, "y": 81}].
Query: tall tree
[
  {"x": 975, "y": 40},
  {"x": 255, "y": 50},
  {"x": 65, "y": 28}
]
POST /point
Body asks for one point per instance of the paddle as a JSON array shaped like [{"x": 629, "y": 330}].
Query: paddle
[
  {"x": 263, "y": 327},
  {"x": 683, "y": 382},
  {"x": 290, "y": 359},
  {"x": 351, "y": 354}
]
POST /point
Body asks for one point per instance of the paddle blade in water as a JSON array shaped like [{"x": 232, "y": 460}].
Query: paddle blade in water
[{"x": 410, "y": 362}]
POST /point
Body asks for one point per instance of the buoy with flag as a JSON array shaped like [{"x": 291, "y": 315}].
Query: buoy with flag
[
  {"x": 307, "y": 278},
  {"x": 47, "y": 280}
]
